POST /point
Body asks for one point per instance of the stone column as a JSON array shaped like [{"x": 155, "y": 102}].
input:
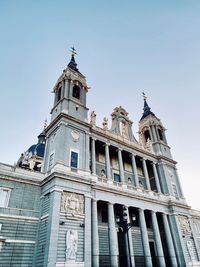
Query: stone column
[
  {"x": 146, "y": 175},
  {"x": 93, "y": 157},
  {"x": 113, "y": 242},
  {"x": 87, "y": 153},
  {"x": 130, "y": 243},
  {"x": 135, "y": 170},
  {"x": 154, "y": 133},
  {"x": 121, "y": 167},
  {"x": 156, "y": 177},
  {"x": 52, "y": 229},
  {"x": 170, "y": 244},
  {"x": 179, "y": 184},
  {"x": 87, "y": 230},
  {"x": 63, "y": 88},
  {"x": 156, "y": 231},
  {"x": 95, "y": 235},
  {"x": 107, "y": 157},
  {"x": 145, "y": 239}
]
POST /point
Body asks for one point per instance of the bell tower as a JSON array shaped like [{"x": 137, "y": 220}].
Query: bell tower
[
  {"x": 67, "y": 138},
  {"x": 152, "y": 130},
  {"x": 70, "y": 92}
]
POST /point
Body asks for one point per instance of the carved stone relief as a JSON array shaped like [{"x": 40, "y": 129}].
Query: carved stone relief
[
  {"x": 75, "y": 136},
  {"x": 72, "y": 204},
  {"x": 185, "y": 225}
]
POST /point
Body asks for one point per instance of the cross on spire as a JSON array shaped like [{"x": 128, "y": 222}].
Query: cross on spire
[
  {"x": 72, "y": 64},
  {"x": 73, "y": 51},
  {"x": 144, "y": 96}
]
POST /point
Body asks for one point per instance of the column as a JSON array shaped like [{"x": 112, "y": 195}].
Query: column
[
  {"x": 95, "y": 235},
  {"x": 107, "y": 157},
  {"x": 178, "y": 183},
  {"x": 145, "y": 239},
  {"x": 87, "y": 152},
  {"x": 135, "y": 170},
  {"x": 146, "y": 175},
  {"x": 156, "y": 177},
  {"x": 87, "y": 230},
  {"x": 156, "y": 231},
  {"x": 151, "y": 136},
  {"x": 93, "y": 157},
  {"x": 130, "y": 243},
  {"x": 170, "y": 244},
  {"x": 121, "y": 167},
  {"x": 52, "y": 229},
  {"x": 154, "y": 133},
  {"x": 63, "y": 88},
  {"x": 113, "y": 242}
]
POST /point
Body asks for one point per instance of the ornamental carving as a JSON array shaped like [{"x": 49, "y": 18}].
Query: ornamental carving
[
  {"x": 72, "y": 204},
  {"x": 185, "y": 225},
  {"x": 75, "y": 136}
]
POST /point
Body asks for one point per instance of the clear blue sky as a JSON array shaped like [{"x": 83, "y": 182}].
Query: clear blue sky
[{"x": 124, "y": 48}]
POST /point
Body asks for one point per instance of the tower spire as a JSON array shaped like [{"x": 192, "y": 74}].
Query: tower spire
[
  {"x": 72, "y": 64},
  {"x": 146, "y": 108}
]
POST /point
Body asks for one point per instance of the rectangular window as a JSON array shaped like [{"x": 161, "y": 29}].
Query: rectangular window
[
  {"x": 4, "y": 197},
  {"x": 116, "y": 177},
  {"x": 174, "y": 190},
  {"x": 51, "y": 158},
  {"x": 74, "y": 159}
]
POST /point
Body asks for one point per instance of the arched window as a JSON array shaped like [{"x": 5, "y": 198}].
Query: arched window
[
  {"x": 76, "y": 91},
  {"x": 147, "y": 135},
  {"x": 59, "y": 94},
  {"x": 160, "y": 134}
]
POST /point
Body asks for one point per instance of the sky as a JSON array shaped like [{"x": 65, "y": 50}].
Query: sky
[{"x": 124, "y": 48}]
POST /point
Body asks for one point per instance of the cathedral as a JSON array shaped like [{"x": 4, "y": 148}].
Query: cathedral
[{"x": 90, "y": 196}]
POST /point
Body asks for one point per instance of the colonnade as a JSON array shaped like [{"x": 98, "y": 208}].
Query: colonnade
[
  {"x": 113, "y": 241},
  {"x": 121, "y": 168}
]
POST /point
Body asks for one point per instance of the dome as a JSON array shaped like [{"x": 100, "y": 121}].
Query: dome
[{"x": 37, "y": 150}]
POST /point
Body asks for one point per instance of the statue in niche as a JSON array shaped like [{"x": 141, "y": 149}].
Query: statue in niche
[
  {"x": 190, "y": 250},
  {"x": 105, "y": 123},
  {"x": 93, "y": 118},
  {"x": 72, "y": 204},
  {"x": 124, "y": 129},
  {"x": 103, "y": 174},
  {"x": 71, "y": 245},
  {"x": 185, "y": 226}
]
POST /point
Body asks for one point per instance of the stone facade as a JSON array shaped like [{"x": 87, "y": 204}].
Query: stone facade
[{"x": 64, "y": 212}]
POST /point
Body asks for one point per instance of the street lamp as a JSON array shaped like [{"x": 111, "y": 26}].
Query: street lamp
[
  {"x": 123, "y": 222},
  {"x": 124, "y": 225}
]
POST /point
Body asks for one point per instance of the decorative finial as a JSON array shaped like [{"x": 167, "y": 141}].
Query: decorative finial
[
  {"x": 144, "y": 96},
  {"x": 73, "y": 51}
]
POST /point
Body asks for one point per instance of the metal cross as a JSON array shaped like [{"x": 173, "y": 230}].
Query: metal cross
[
  {"x": 73, "y": 51},
  {"x": 144, "y": 95}
]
